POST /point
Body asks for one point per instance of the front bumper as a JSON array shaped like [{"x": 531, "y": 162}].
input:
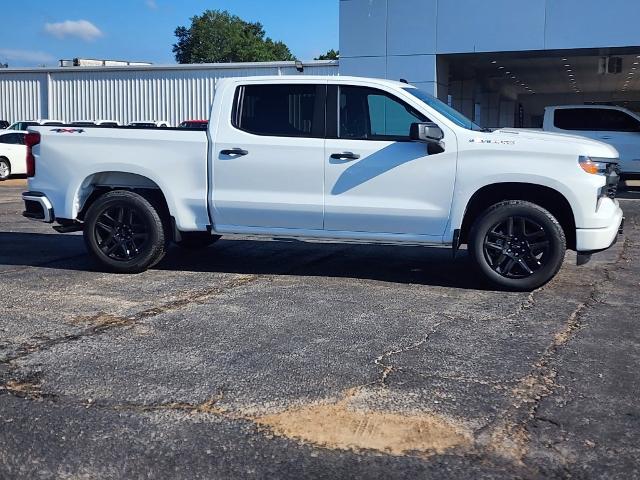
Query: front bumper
[
  {"x": 37, "y": 207},
  {"x": 596, "y": 239}
]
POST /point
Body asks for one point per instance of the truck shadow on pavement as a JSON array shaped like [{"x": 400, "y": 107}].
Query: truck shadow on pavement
[{"x": 394, "y": 264}]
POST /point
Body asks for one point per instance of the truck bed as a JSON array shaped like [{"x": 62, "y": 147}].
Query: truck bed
[{"x": 172, "y": 159}]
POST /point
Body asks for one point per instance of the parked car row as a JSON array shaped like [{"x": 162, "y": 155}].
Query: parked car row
[{"x": 22, "y": 125}]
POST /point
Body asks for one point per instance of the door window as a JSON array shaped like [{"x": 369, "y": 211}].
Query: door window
[
  {"x": 595, "y": 120},
  {"x": 12, "y": 139},
  {"x": 280, "y": 110},
  {"x": 370, "y": 114}
]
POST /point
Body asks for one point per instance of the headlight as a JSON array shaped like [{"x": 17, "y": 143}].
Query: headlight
[{"x": 595, "y": 165}]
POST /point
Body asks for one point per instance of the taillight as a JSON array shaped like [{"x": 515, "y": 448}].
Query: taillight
[{"x": 30, "y": 140}]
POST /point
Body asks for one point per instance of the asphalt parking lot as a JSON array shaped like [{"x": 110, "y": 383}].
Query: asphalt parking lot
[{"x": 280, "y": 359}]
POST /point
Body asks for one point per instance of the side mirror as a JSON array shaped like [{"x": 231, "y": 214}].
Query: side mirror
[{"x": 426, "y": 132}]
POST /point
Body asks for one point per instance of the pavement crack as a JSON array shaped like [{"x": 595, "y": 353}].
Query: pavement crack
[
  {"x": 103, "y": 322},
  {"x": 210, "y": 406},
  {"x": 387, "y": 368},
  {"x": 509, "y": 434}
]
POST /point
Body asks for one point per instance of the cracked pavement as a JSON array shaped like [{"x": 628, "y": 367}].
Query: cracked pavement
[{"x": 172, "y": 373}]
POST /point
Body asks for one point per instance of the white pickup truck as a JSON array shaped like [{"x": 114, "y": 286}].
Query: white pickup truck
[
  {"x": 338, "y": 158},
  {"x": 616, "y": 126}
]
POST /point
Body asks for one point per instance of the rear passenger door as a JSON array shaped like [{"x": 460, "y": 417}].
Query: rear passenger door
[{"x": 268, "y": 158}]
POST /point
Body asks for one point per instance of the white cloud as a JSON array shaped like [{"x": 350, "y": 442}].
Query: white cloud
[
  {"x": 151, "y": 4},
  {"x": 25, "y": 56},
  {"x": 83, "y": 29}
]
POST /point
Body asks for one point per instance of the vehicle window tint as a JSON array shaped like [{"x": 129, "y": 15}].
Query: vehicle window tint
[
  {"x": 280, "y": 110},
  {"x": 12, "y": 139},
  {"x": 369, "y": 114},
  {"x": 595, "y": 119}
]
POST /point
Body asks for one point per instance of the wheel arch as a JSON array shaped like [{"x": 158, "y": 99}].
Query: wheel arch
[
  {"x": 546, "y": 197},
  {"x": 3, "y": 157},
  {"x": 97, "y": 184}
]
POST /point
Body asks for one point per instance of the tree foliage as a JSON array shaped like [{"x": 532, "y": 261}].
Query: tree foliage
[
  {"x": 330, "y": 55},
  {"x": 218, "y": 37}
]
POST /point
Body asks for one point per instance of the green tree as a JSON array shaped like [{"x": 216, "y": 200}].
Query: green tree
[
  {"x": 330, "y": 55},
  {"x": 218, "y": 37}
]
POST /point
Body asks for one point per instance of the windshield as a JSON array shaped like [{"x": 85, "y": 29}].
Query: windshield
[{"x": 444, "y": 109}]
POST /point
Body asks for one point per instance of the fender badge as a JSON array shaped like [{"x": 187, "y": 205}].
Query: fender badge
[{"x": 491, "y": 141}]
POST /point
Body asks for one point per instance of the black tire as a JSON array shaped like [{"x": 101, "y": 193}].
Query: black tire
[
  {"x": 5, "y": 168},
  {"x": 196, "y": 240},
  {"x": 517, "y": 245},
  {"x": 124, "y": 232}
]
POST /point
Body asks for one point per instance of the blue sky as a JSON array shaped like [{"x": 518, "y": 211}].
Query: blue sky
[{"x": 142, "y": 30}]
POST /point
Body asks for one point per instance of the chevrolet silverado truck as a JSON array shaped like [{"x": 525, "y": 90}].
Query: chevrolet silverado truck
[
  {"x": 335, "y": 158},
  {"x": 616, "y": 126}
]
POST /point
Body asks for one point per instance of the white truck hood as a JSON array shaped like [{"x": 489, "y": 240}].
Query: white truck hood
[{"x": 595, "y": 148}]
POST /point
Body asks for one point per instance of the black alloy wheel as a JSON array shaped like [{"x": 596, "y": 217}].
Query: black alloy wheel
[
  {"x": 121, "y": 232},
  {"x": 125, "y": 232},
  {"x": 516, "y": 247}
]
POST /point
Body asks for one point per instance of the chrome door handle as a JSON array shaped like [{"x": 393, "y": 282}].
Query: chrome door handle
[
  {"x": 606, "y": 137},
  {"x": 238, "y": 152},
  {"x": 345, "y": 156}
]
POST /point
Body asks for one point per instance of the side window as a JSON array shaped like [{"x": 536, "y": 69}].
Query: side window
[
  {"x": 370, "y": 114},
  {"x": 278, "y": 110},
  {"x": 12, "y": 139},
  {"x": 595, "y": 119}
]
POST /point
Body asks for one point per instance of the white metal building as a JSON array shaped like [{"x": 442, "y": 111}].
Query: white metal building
[
  {"x": 173, "y": 93},
  {"x": 500, "y": 62}
]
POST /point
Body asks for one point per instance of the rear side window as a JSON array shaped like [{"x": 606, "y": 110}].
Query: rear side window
[
  {"x": 281, "y": 110},
  {"x": 595, "y": 119},
  {"x": 12, "y": 139}
]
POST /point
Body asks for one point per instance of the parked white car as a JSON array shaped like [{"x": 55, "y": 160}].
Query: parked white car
[
  {"x": 24, "y": 124},
  {"x": 13, "y": 153},
  {"x": 616, "y": 126},
  {"x": 353, "y": 159},
  {"x": 150, "y": 124}
]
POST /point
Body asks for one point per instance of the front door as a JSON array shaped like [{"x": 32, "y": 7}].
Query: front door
[
  {"x": 268, "y": 158},
  {"x": 376, "y": 179}
]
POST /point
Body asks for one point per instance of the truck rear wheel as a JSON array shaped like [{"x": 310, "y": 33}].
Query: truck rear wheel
[
  {"x": 517, "y": 245},
  {"x": 196, "y": 240},
  {"x": 124, "y": 232}
]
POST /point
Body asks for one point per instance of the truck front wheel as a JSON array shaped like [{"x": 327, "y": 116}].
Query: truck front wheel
[
  {"x": 124, "y": 232},
  {"x": 517, "y": 245}
]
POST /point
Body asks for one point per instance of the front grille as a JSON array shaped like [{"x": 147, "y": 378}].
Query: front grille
[{"x": 613, "y": 179}]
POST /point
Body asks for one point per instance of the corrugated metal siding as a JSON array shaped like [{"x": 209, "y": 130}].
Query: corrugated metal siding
[
  {"x": 173, "y": 93},
  {"x": 21, "y": 95}
]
